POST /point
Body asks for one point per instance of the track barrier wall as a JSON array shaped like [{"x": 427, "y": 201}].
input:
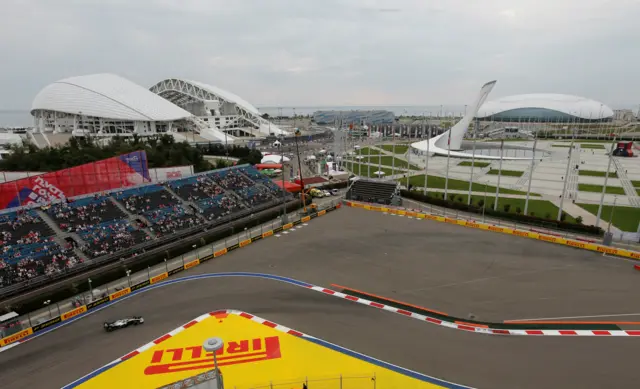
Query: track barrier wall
[
  {"x": 64, "y": 316},
  {"x": 580, "y": 244}
]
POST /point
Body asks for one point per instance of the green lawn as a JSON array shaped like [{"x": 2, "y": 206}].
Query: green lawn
[
  {"x": 387, "y": 160},
  {"x": 618, "y": 190},
  {"x": 590, "y": 146},
  {"x": 625, "y": 218},
  {"x": 367, "y": 151},
  {"x": 540, "y": 208},
  {"x": 596, "y": 173},
  {"x": 398, "y": 149},
  {"x": 561, "y": 146},
  {"x": 476, "y": 163},
  {"x": 510, "y": 173},
  {"x": 367, "y": 170},
  {"x": 636, "y": 183},
  {"x": 438, "y": 183}
]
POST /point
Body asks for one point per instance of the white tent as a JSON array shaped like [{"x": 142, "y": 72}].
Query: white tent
[{"x": 274, "y": 158}]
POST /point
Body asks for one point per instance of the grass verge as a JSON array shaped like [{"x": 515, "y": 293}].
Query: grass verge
[
  {"x": 596, "y": 173},
  {"x": 399, "y": 149},
  {"x": 625, "y": 218},
  {"x": 617, "y": 190},
  {"x": 476, "y": 164},
  {"x": 438, "y": 182},
  {"x": 509, "y": 173}
]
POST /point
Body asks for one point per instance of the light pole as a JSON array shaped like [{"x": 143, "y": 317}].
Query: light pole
[
  {"x": 613, "y": 210},
  {"x": 212, "y": 345},
  {"x": 304, "y": 205},
  {"x": 129, "y": 277},
  {"x": 166, "y": 267},
  {"x": 90, "y": 289}
]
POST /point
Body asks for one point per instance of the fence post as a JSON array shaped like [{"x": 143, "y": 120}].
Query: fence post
[
  {"x": 29, "y": 319},
  {"x": 58, "y": 306},
  {"x": 340, "y": 381}
]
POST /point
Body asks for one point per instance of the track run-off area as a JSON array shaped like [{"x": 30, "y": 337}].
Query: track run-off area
[{"x": 447, "y": 268}]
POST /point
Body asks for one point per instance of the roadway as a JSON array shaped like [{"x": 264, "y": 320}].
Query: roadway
[{"x": 440, "y": 266}]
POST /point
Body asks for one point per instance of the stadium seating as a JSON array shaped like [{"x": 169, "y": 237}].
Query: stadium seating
[
  {"x": 162, "y": 209},
  {"x": 100, "y": 223},
  {"x": 374, "y": 191},
  {"x": 28, "y": 246},
  {"x": 196, "y": 188}
]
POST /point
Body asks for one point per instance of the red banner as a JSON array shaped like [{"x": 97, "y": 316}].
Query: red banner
[{"x": 117, "y": 172}]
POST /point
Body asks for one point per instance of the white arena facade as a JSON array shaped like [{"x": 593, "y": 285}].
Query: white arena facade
[
  {"x": 107, "y": 105},
  {"x": 545, "y": 108},
  {"x": 530, "y": 108}
]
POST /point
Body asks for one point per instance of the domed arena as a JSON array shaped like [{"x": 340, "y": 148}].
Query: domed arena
[{"x": 544, "y": 107}]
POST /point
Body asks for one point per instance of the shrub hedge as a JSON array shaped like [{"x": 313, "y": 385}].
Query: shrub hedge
[{"x": 526, "y": 219}]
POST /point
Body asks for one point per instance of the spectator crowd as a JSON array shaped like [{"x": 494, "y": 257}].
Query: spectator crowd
[{"x": 28, "y": 246}]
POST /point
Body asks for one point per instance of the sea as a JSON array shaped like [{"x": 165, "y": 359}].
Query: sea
[{"x": 20, "y": 118}]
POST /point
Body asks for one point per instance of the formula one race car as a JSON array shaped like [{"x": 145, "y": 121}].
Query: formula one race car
[{"x": 135, "y": 320}]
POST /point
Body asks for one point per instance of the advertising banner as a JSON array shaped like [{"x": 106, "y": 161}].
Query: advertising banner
[
  {"x": 16, "y": 337},
  {"x": 159, "y": 277},
  {"x": 95, "y": 303},
  {"x": 117, "y": 172},
  {"x": 140, "y": 285},
  {"x": 73, "y": 313},
  {"x": 48, "y": 323},
  {"x": 119, "y": 293}
]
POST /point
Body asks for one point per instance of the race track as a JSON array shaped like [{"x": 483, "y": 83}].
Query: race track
[{"x": 439, "y": 266}]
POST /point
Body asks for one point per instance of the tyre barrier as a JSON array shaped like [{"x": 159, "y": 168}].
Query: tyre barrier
[
  {"x": 504, "y": 230},
  {"x": 24, "y": 334}
]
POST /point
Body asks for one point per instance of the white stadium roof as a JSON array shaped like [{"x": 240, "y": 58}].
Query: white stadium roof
[
  {"x": 579, "y": 107},
  {"x": 107, "y": 96},
  {"x": 228, "y": 96}
]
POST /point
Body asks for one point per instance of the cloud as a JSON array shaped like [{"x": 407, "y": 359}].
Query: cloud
[{"x": 288, "y": 52}]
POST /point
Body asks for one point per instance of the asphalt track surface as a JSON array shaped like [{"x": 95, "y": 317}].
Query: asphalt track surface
[{"x": 440, "y": 266}]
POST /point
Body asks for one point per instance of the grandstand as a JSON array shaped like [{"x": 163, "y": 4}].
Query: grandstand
[
  {"x": 375, "y": 191},
  {"x": 48, "y": 239}
]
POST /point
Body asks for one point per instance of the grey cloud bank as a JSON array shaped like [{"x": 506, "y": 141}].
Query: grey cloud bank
[{"x": 333, "y": 52}]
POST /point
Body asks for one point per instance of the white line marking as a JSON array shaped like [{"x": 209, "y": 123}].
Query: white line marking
[{"x": 578, "y": 317}]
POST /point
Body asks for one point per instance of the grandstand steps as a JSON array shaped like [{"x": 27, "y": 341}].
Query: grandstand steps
[
  {"x": 189, "y": 206},
  {"x": 61, "y": 236},
  {"x": 133, "y": 218},
  {"x": 168, "y": 189},
  {"x": 52, "y": 224},
  {"x": 257, "y": 184}
]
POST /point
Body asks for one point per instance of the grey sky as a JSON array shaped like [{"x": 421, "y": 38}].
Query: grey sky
[{"x": 329, "y": 52}]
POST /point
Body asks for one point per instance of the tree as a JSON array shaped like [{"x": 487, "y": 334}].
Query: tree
[
  {"x": 518, "y": 210},
  {"x": 265, "y": 116},
  {"x": 481, "y": 203},
  {"x": 579, "y": 220},
  {"x": 547, "y": 215},
  {"x": 507, "y": 207},
  {"x": 563, "y": 216}
]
